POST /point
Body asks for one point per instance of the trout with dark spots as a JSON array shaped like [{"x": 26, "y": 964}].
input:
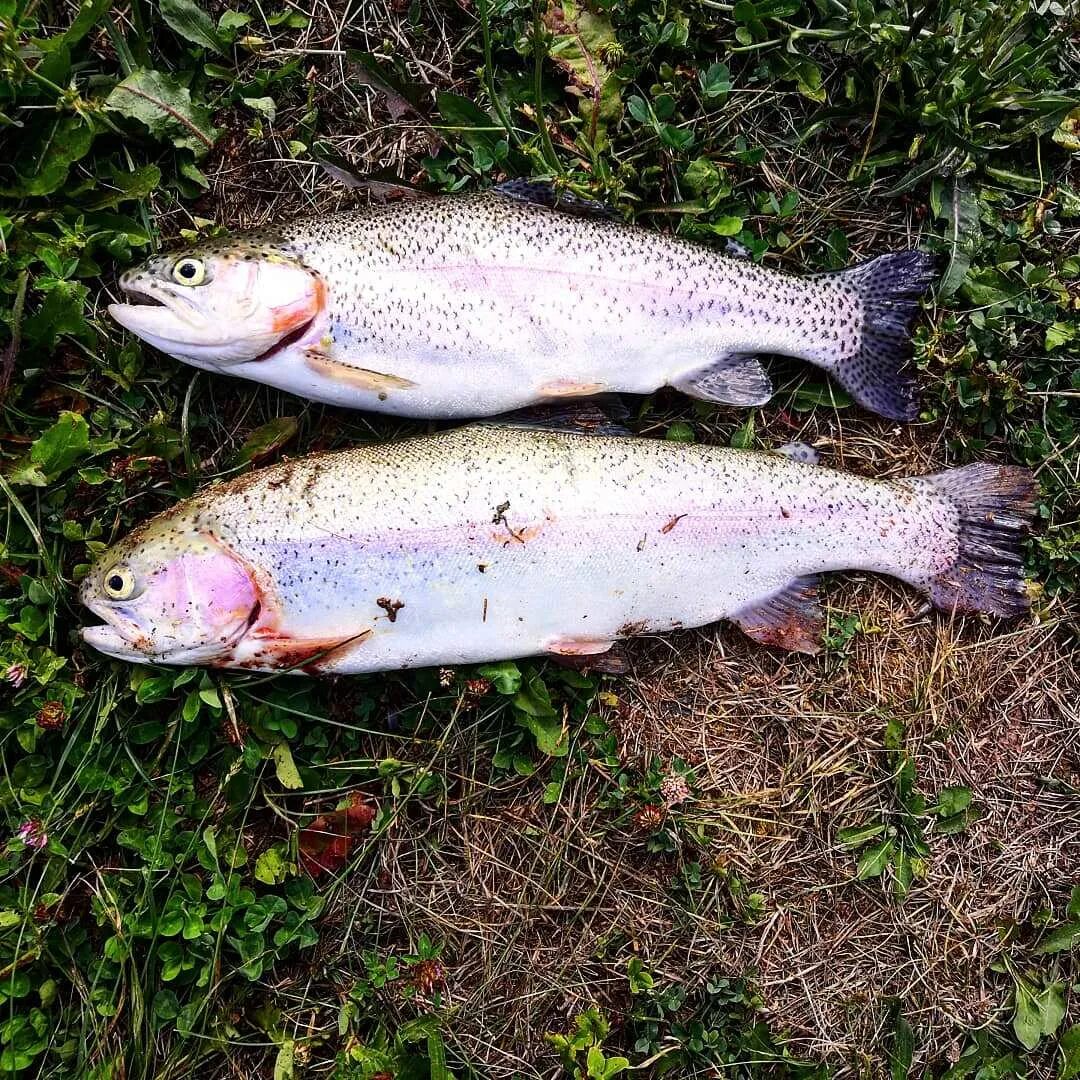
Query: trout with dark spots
[
  {"x": 474, "y": 305},
  {"x": 385, "y": 556}
]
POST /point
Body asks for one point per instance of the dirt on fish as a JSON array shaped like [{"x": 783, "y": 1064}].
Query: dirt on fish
[{"x": 391, "y": 607}]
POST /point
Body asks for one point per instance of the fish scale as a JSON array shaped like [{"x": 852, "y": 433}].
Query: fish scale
[
  {"x": 494, "y": 250},
  {"x": 471, "y": 305},
  {"x": 493, "y": 542}
]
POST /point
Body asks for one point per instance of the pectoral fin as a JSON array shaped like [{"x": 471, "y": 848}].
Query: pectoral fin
[
  {"x": 790, "y": 619},
  {"x": 733, "y": 380},
  {"x": 379, "y": 382}
]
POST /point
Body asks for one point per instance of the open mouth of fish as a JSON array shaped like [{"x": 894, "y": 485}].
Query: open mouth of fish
[
  {"x": 159, "y": 316},
  {"x": 168, "y": 318},
  {"x": 141, "y": 299},
  {"x": 145, "y": 297}
]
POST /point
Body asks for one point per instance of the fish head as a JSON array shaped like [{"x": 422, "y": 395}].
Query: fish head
[
  {"x": 224, "y": 303},
  {"x": 170, "y": 593}
]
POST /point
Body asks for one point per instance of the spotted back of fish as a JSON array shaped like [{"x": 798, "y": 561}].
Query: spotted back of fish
[{"x": 536, "y": 304}]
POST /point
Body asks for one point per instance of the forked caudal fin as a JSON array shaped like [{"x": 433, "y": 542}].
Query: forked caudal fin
[
  {"x": 994, "y": 506},
  {"x": 878, "y": 376}
]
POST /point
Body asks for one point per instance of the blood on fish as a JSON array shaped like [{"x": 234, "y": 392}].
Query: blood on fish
[
  {"x": 517, "y": 536},
  {"x": 391, "y": 607}
]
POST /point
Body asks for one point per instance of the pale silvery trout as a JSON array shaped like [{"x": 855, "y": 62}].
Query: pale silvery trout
[
  {"x": 491, "y": 542},
  {"x": 474, "y": 305}
]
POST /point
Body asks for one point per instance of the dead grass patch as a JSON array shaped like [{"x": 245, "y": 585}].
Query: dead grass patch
[{"x": 542, "y": 906}]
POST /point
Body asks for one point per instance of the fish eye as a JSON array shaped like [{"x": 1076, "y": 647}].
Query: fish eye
[
  {"x": 119, "y": 583},
  {"x": 189, "y": 271}
]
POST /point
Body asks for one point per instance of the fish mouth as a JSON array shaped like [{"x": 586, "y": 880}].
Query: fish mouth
[
  {"x": 143, "y": 299},
  {"x": 116, "y": 635},
  {"x": 172, "y": 323},
  {"x": 107, "y": 639},
  {"x": 161, "y": 317},
  {"x": 110, "y": 641}
]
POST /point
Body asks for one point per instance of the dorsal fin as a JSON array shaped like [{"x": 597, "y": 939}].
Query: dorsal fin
[
  {"x": 545, "y": 193},
  {"x": 799, "y": 451}
]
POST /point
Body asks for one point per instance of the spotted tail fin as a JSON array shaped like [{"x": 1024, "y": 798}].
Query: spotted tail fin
[
  {"x": 878, "y": 376},
  {"x": 994, "y": 506}
]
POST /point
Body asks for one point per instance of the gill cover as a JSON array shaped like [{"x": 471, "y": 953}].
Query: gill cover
[{"x": 169, "y": 594}]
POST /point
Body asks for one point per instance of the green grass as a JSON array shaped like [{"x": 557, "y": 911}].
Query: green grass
[{"x": 156, "y": 918}]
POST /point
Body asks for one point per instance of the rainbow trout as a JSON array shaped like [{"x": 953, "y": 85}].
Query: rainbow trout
[
  {"x": 473, "y": 305},
  {"x": 491, "y": 542}
]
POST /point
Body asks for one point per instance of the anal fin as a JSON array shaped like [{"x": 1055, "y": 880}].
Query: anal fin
[
  {"x": 738, "y": 379},
  {"x": 791, "y": 619}
]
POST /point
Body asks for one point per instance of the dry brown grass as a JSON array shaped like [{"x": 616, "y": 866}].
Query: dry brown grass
[{"x": 541, "y": 906}]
